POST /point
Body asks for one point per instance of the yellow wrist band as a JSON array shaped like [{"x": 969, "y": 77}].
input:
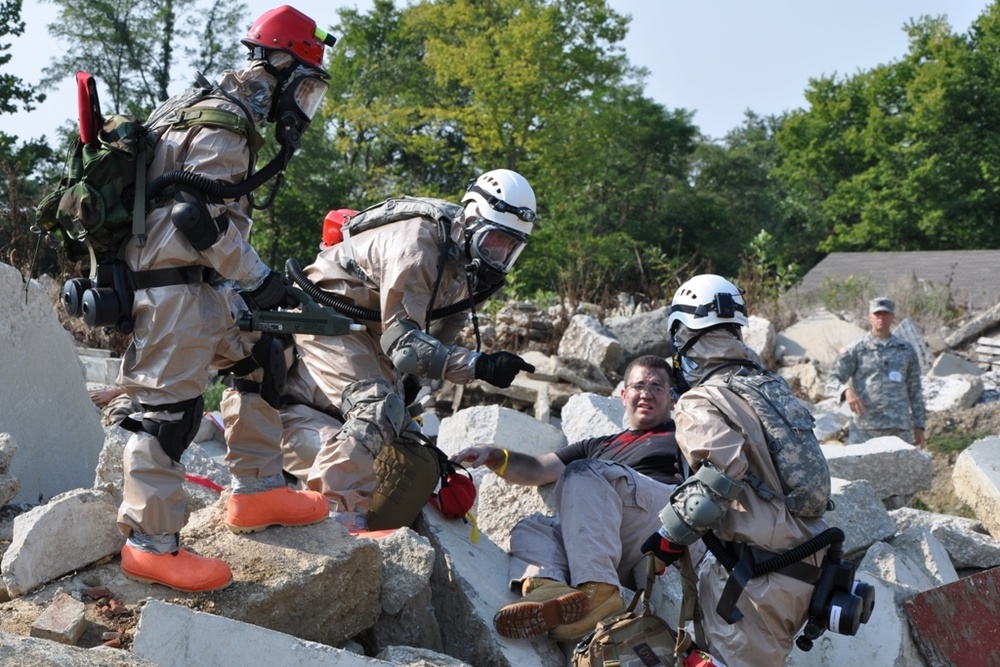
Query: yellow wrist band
[{"x": 506, "y": 459}]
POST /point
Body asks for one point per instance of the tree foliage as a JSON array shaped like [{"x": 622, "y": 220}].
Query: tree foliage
[
  {"x": 133, "y": 46},
  {"x": 903, "y": 156}
]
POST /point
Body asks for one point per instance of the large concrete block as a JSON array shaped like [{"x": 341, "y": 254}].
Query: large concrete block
[
  {"x": 859, "y": 514},
  {"x": 500, "y": 427},
  {"x": 976, "y": 477},
  {"x": 967, "y": 542},
  {"x": 585, "y": 338},
  {"x": 819, "y": 337},
  {"x": 31, "y": 652},
  {"x": 942, "y": 394},
  {"x": 171, "y": 635},
  {"x": 44, "y": 402},
  {"x": 470, "y": 584},
  {"x": 591, "y": 416},
  {"x": 70, "y": 531},
  {"x": 891, "y": 466}
]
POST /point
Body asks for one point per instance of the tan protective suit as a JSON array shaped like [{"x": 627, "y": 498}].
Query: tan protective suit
[
  {"x": 184, "y": 331},
  {"x": 716, "y": 425},
  {"x": 401, "y": 259}
]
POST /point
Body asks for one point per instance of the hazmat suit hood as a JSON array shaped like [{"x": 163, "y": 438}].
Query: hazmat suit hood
[
  {"x": 254, "y": 85},
  {"x": 712, "y": 349}
]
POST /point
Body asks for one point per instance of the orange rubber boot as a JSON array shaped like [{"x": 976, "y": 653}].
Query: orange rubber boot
[
  {"x": 182, "y": 571},
  {"x": 251, "y": 512}
]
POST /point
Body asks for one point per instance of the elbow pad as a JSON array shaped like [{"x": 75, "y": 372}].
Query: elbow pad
[
  {"x": 191, "y": 217},
  {"x": 414, "y": 352},
  {"x": 699, "y": 504}
]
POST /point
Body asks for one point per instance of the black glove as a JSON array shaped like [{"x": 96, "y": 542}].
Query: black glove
[
  {"x": 499, "y": 368},
  {"x": 665, "y": 550},
  {"x": 272, "y": 293}
]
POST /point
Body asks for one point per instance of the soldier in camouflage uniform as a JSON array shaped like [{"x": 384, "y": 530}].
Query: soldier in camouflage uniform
[{"x": 879, "y": 377}]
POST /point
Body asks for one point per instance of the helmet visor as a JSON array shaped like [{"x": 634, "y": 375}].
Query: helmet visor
[
  {"x": 498, "y": 246},
  {"x": 308, "y": 92}
]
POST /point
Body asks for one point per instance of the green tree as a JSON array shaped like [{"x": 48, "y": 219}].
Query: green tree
[
  {"x": 903, "y": 157},
  {"x": 131, "y": 46}
]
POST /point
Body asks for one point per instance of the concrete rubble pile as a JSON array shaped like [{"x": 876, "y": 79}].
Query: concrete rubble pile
[{"x": 316, "y": 595}]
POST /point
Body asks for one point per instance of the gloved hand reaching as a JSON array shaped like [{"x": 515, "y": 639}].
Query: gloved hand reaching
[
  {"x": 272, "y": 293},
  {"x": 666, "y": 551},
  {"x": 500, "y": 368}
]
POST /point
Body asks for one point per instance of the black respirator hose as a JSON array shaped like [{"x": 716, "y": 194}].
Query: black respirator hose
[
  {"x": 351, "y": 310},
  {"x": 830, "y": 536},
  {"x": 216, "y": 189}
]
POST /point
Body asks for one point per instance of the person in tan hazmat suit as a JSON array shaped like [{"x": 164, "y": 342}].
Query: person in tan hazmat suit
[
  {"x": 195, "y": 271},
  {"x": 723, "y": 442},
  {"x": 344, "y": 399}
]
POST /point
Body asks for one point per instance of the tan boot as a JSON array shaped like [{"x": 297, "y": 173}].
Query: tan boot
[
  {"x": 603, "y": 600},
  {"x": 546, "y": 604}
]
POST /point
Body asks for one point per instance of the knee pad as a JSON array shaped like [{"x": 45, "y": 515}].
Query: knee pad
[
  {"x": 375, "y": 414},
  {"x": 175, "y": 436},
  {"x": 269, "y": 353}
]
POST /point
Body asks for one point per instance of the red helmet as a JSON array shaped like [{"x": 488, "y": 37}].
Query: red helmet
[{"x": 289, "y": 30}]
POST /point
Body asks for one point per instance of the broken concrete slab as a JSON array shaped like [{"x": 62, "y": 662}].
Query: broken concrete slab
[
  {"x": 927, "y": 552},
  {"x": 171, "y": 635},
  {"x": 942, "y": 394},
  {"x": 859, "y": 514},
  {"x": 759, "y": 336},
  {"x": 10, "y": 486},
  {"x": 819, "y": 337},
  {"x": 285, "y": 578},
  {"x": 500, "y": 505},
  {"x": 500, "y": 427},
  {"x": 640, "y": 334},
  {"x": 53, "y": 420},
  {"x": 893, "y": 467},
  {"x": 470, "y": 582},
  {"x": 966, "y": 541},
  {"x": 586, "y": 338},
  {"x": 33, "y": 652},
  {"x": 63, "y": 621},
  {"x": 591, "y": 415},
  {"x": 948, "y": 363},
  {"x": 72, "y": 530},
  {"x": 976, "y": 477}
]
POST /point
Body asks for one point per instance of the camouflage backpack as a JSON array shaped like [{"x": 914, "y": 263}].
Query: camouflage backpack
[
  {"x": 101, "y": 199},
  {"x": 795, "y": 452}
]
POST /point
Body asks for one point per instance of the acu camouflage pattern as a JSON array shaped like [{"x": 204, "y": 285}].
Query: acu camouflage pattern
[
  {"x": 795, "y": 451},
  {"x": 889, "y": 405}
]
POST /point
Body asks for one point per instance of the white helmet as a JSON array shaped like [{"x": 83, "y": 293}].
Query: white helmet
[
  {"x": 504, "y": 197},
  {"x": 706, "y": 301}
]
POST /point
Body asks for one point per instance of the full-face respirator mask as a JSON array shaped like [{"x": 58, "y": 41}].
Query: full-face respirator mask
[{"x": 294, "y": 108}]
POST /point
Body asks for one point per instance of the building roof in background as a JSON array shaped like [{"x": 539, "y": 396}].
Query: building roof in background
[{"x": 973, "y": 275}]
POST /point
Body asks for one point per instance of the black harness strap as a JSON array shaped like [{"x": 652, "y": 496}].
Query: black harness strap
[{"x": 182, "y": 275}]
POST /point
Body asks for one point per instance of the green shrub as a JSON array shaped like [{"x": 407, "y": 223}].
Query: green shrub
[{"x": 213, "y": 396}]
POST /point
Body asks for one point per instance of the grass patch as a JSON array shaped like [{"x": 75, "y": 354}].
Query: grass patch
[
  {"x": 950, "y": 443},
  {"x": 213, "y": 396}
]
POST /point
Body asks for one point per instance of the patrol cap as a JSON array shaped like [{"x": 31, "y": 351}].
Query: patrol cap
[{"x": 881, "y": 304}]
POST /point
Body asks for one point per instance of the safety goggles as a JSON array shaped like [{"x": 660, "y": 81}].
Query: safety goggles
[
  {"x": 498, "y": 246},
  {"x": 500, "y": 206}
]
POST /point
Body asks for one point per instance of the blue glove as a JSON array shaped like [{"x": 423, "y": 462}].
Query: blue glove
[{"x": 666, "y": 551}]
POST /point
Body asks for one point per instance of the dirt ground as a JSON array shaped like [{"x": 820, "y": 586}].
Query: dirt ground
[{"x": 958, "y": 426}]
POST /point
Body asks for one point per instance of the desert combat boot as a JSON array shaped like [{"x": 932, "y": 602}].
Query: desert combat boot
[
  {"x": 546, "y": 604},
  {"x": 603, "y": 600}
]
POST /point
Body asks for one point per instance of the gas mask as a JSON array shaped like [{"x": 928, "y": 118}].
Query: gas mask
[
  {"x": 492, "y": 250},
  {"x": 293, "y": 109}
]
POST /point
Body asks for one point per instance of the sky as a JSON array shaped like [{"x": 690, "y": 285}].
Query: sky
[{"x": 715, "y": 58}]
